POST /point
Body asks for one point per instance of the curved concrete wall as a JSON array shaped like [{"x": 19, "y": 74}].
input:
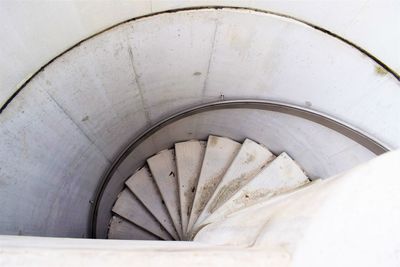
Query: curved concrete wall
[
  {"x": 37, "y": 31},
  {"x": 60, "y": 133}
]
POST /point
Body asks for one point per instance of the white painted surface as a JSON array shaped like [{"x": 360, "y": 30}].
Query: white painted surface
[
  {"x": 129, "y": 207},
  {"x": 17, "y": 251},
  {"x": 354, "y": 215},
  {"x": 249, "y": 161},
  {"x": 122, "y": 229},
  {"x": 145, "y": 189},
  {"x": 163, "y": 169},
  {"x": 189, "y": 158},
  {"x": 218, "y": 157}
]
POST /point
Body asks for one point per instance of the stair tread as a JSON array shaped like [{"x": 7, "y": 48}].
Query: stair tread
[
  {"x": 189, "y": 158},
  {"x": 249, "y": 161},
  {"x": 163, "y": 169},
  {"x": 129, "y": 207},
  {"x": 237, "y": 229},
  {"x": 219, "y": 154},
  {"x": 123, "y": 229},
  {"x": 145, "y": 189},
  {"x": 280, "y": 176}
]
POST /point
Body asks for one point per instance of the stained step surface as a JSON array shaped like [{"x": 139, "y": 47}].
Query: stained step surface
[
  {"x": 145, "y": 189},
  {"x": 129, "y": 207},
  {"x": 250, "y": 159},
  {"x": 163, "y": 169},
  {"x": 219, "y": 155},
  {"x": 122, "y": 229},
  {"x": 280, "y": 176},
  {"x": 189, "y": 158}
]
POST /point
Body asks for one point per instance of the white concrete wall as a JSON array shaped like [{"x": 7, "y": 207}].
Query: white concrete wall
[{"x": 36, "y": 31}]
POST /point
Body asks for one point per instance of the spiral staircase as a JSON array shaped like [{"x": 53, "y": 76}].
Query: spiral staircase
[
  {"x": 176, "y": 133},
  {"x": 181, "y": 190}
]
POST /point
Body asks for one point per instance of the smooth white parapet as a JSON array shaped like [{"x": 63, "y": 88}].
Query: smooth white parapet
[{"x": 349, "y": 220}]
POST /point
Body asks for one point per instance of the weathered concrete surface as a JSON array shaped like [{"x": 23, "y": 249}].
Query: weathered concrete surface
[
  {"x": 280, "y": 176},
  {"x": 163, "y": 169},
  {"x": 122, "y": 229},
  {"x": 145, "y": 189},
  {"x": 48, "y": 169},
  {"x": 189, "y": 159},
  {"x": 130, "y": 208},
  {"x": 219, "y": 155},
  {"x": 248, "y": 162},
  {"x": 37, "y": 31}
]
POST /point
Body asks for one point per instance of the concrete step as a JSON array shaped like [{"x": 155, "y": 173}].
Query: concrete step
[
  {"x": 245, "y": 227},
  {"x": 189, "y": 158},
  {"x": 249, "y": 161},
  {"x": 163, "y": 169},
  {"x": 219, "y": 154},
  {"x": 145, "y": 189},
  {"x": 130, "y": 208},
  {"x": 122, "y": 229},
  {"x": 280, "y": 176}
]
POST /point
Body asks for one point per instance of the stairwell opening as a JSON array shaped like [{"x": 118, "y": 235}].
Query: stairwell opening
[{"x": 189, "y": 126}]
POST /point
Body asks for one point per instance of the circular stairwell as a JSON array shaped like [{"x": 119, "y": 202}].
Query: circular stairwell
[{"x": 78, "y": 130}]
